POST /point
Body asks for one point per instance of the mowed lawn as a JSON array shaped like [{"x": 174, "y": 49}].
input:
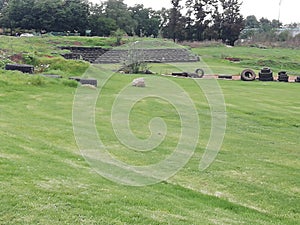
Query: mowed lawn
[{"x": 254, "y": 179}]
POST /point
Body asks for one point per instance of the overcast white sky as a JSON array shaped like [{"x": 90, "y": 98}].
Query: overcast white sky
[{"x": 290, "y": 9}]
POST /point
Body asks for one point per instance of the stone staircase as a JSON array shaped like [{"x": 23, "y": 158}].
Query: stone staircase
[
  {"x": 89, "y": 54},
  {"x": 99, "y": 55},
  {"x": 148, "y": 55}
]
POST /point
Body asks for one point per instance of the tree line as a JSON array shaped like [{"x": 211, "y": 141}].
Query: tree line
[
  {"x": 266, "y": 31},
  {"x": 191, "y": 20}
]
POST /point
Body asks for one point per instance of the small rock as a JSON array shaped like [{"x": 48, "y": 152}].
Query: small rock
[{"x": 139, "y": 82}]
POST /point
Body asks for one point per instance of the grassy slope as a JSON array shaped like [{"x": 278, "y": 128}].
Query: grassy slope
[
  {"x": 255, "y": 179},
  {"x": 254, "y": 58}
]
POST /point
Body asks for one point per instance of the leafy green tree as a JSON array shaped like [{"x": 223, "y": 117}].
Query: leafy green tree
[
  {"x": 265, "y": 25},
  {"x": 3, "y": 3},
  {"x": 147, "y": 20},
  {"x": 49, "y": 15},
  {"x": 5, "y": 22},
  {"x": 232, "y": 21},
  {"x": 18, "y": 13},
  {"x": 175, "y": 26},
  {"x": 153, "y": 24},
  {"x": 99, "y": 24},
  {"x": 118, "y": 34},
  {"x": 276, "y": 24},
  {"x": 200, "y": 14},
  {"x": 251, "y": 22},
  {"x": 200, "y": 19},
  {"x": 215, "y": 26},
  {"x": 102, "y": 26},
  {"x": 75, "y": 15},
  {"x": 163, "y": 21},
  {"x": 118, "y": 11}
]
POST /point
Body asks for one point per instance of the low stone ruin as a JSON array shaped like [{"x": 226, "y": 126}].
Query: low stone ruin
[
  {"x": 20, "y": 67},
  {"x": 99, "y": 55}
]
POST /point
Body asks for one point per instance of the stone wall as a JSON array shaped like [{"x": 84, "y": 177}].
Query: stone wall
[
  {"x": 89, "y": 54},
  {"x": 99, "y": 55},
  {"x": 149, "y": 55}
]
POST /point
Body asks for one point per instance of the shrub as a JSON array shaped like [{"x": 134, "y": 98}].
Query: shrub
[
  {"x": 31, "y": 59},
  {"x": 36, "y": 80},
  {"x": 70, "y": 83}
]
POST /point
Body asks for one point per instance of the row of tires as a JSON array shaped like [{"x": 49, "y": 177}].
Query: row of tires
[{"x": 266, "y": 74}]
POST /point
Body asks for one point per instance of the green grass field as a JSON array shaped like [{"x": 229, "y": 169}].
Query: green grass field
[{"x": 254, "y": 179}]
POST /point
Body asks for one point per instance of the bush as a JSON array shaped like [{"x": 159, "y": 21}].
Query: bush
[
  {"x": 70, "y": 83},
  {"x": 31, "y": 59},
  {"x": 36, "y": 80}
]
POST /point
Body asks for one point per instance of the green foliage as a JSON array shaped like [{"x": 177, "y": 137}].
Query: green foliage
[
  {"x": 263, "y": 30},
  {"x": 135, "y": 62},
  {"x": 70, "y": 83},
  {"x": 36, "y": 80},
  {"x": 204, "y": 19},
  {"x": 118, "y": 11},
  {"x": 118, "y": 34},
  {"x": 102, "y": 26},
  {"x": 251, "y": 22},
  {"x": 147, "y": 19},
  {"x": 232, "y": 22},
  {"x": 3, "y": 62},
  {"x": 284, "y": 36},
  {"x": 175, "y": 25},
  {"x": 65, "y": 67},
  {"x": 47, "y": 15},
  {"x": 31, "y": 59}
]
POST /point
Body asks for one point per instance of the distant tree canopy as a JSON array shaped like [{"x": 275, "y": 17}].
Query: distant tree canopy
[
  {"x": 263, "y": 24},
  {"x": 263, "y": 30},
  {"x": 205, "y": 20},
  {"x": 49, "y": 15},
  {"x": 192, "y": 20}
]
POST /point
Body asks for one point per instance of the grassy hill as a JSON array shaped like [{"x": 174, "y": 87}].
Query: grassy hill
[
  {"x": 254, "y": 179},
  {"x": 278, "y": 59}
]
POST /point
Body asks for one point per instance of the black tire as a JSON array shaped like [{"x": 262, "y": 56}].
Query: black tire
[
  {"x": 201, "y": 74},
  {"x": 194, "y": 75},
  {"x": 282, "y": 73},
  {"x": 180, "y": 74},
  {"x": 283, "y": 79},
  {"x": 226, "y": 77},
  {"x": 266, "y": 79},
  {"x": 265, "y": 75},
  {"x": 248, "y": 75},
  {"x": 266, "y": 70}
]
